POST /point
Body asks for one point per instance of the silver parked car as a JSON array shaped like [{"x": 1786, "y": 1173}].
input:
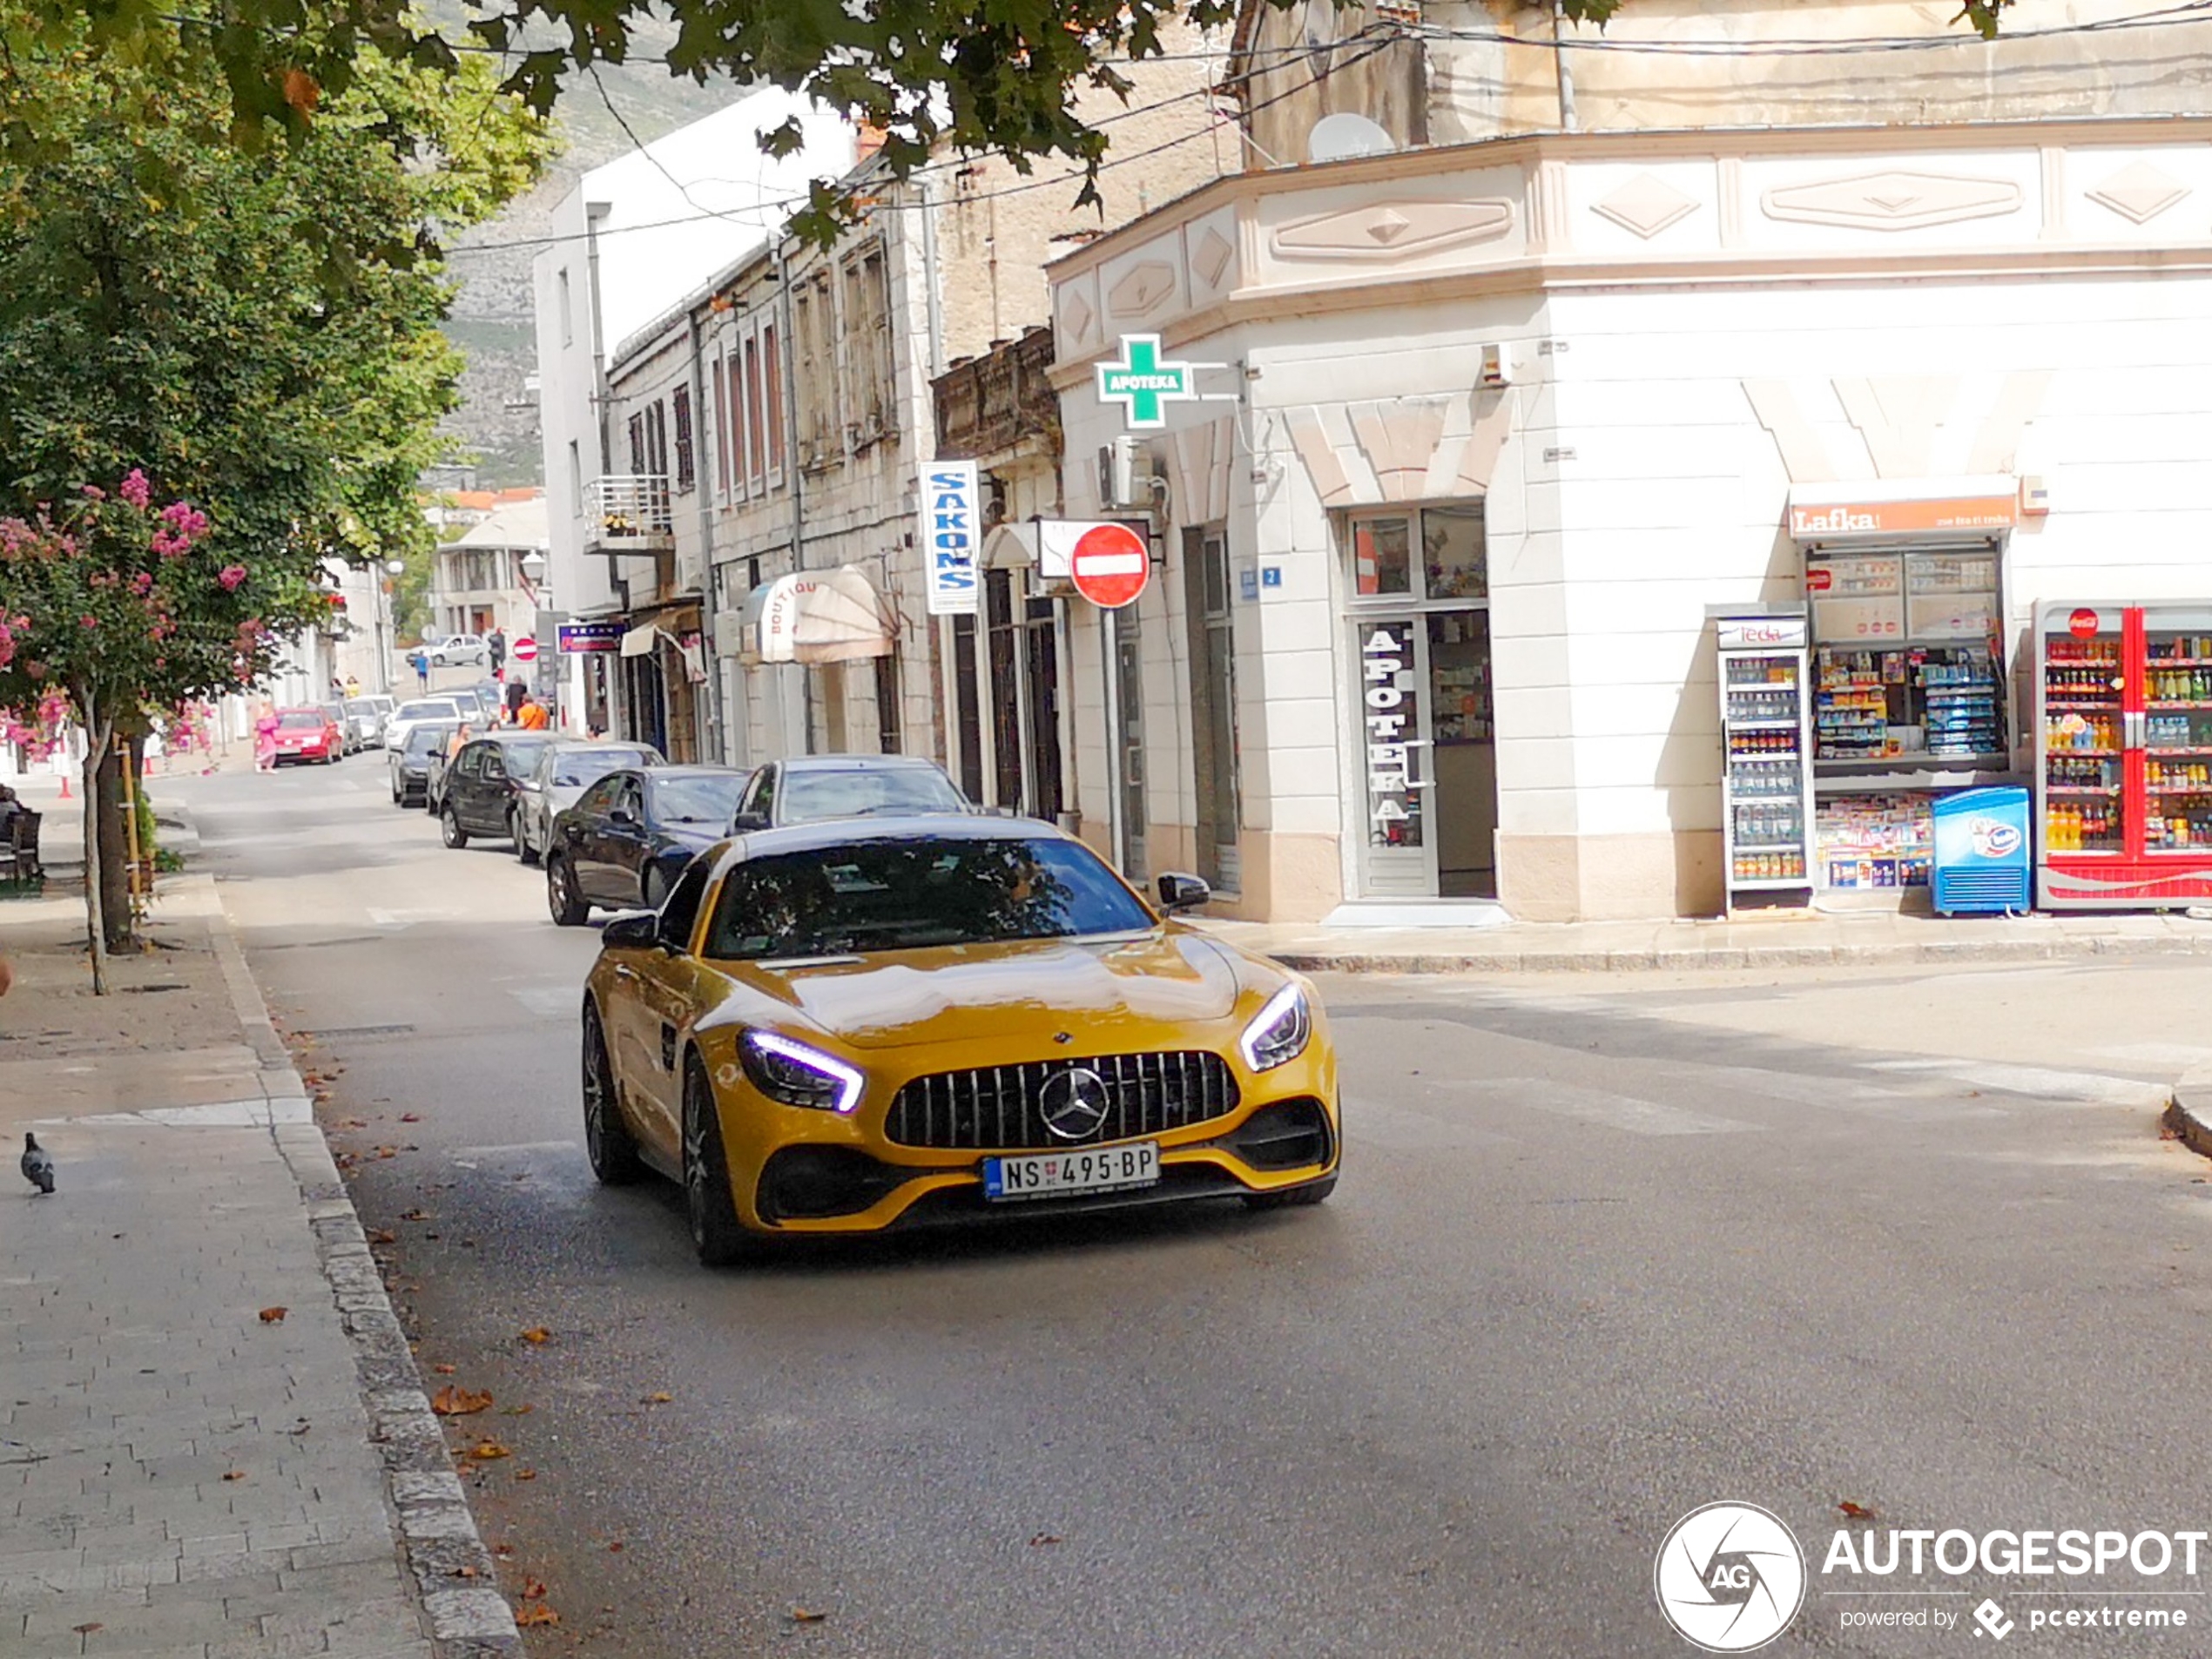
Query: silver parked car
[
  {"x": 364, "y": 724},
  {"x": 564, "y": 772},
  {"x": 459, "y": 649}
]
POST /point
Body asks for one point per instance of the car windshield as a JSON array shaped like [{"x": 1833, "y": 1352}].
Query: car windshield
[
  {"x": 708, "y": 799},
  {"x": 809, "y": 796},
  {"x": 581, "y": 768},
  {"x": 424, "y": 738},
  {"x": 361, "y": 705},
  {"x": 442, "y": 708},
  {"x": 297, "y": 717},
  {"x": 521, "y": 753},
  {"x": 916, "y": 892}
]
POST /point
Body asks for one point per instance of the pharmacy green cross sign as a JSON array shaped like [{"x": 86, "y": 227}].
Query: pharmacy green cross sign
[{"x": 1142, "y": 384}]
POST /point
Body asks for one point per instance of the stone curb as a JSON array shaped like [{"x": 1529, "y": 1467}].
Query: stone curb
[
  {"x": 2190, "y": 1117},
  {"x": 2064, "y": 948},
  {"x": 454, "y": 1575}
]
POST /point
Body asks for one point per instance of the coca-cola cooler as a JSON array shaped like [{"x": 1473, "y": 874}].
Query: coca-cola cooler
[
  {"x": 2124, "y": 756},
  {"x": 1767, "y": 786}
]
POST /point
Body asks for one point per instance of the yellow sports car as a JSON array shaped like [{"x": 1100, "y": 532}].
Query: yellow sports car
[{"x": 850, "y": 1027}]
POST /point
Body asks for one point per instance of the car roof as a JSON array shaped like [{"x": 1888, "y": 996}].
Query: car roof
[
  {"x": 844, "y": 831},
  {"x": 670, "y": 774},
  {"x": 859, "y": 763},
  {"x": 588, "y": 746}
]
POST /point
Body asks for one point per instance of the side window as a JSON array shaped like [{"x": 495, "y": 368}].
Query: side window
[
  {"x": 597, "y": 799},
  {"x": 631, "y": 798},
  {"x": 494, "y": 766},
  {"x": 679, "y": 912},
  {"x": 471, "y": 763},
  {"x": 764, "y": 794}
]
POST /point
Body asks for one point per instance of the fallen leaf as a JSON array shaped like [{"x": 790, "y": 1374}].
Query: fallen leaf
[
  {"x": 234, "y": 1474},
  {"x": 387, "y": 1151},
  {"x": 535, "y": 1613},
  {"x": 502, "y": 1549},
  {"x": 537, "y": 1334},
  {"x": 486, "y": 1451},
  {"x": 523, "y": 1410},
  {"x": 445, "y": 1370},
  {"x": 464, "y": 1572},
  {"x": 1856, "y": 1511},
  {"x": 800, "y": 1616},
  {"x": 1043, "y": 1539},
  {"x": 525, "y": 1474},
  {"x": 346, "y": 1122},
  {"x": 656, "y": 1399},
  {"x": 273, "y": 1316},
  {"x": 416, "y": 1215},
  {"x": 534, "y": 1589},
  {"x": 383, "y": 1236},
  {"x": 410, "y": 1117},
  {"x": 453, "y": 1400},
  {"x": 87, "y": 1630},
  {"x": 615, "y": 1549}
]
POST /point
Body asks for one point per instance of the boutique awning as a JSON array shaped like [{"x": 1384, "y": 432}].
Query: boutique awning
[{"x": 816, "y": 616}]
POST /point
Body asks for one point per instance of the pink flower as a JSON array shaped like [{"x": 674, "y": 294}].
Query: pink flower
[
  {"x": 93, "y": 492},
  {"x": 90, "y": 621},
  {"x": 134, "y": 489},
  {"x": 142, "y": 584},
  {"x": 230, "y": 575}
]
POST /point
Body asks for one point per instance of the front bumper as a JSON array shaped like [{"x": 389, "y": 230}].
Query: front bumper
[{"x": 795, "y": 1171}]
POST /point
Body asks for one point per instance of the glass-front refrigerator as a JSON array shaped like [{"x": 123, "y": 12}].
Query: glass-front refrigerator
[
  {"x": 1767, "y": 787},
  {"x": 2124, "y": 756}
]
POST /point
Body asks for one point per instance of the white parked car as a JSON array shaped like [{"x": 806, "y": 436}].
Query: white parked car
[
  {"x": 459, "y": 649},
  {"x": 414, "y": 713}
]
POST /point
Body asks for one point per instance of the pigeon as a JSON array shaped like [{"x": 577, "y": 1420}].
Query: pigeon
[{"x": 37, "y": 1165}]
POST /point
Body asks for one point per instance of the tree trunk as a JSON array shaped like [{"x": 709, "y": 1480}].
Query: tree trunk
[
  {"x": 115, "y": 853},
  {"x": 99, "y": 735}
]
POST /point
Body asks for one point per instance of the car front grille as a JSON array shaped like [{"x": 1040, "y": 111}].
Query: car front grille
[{"x": 1001, "y": 1106}]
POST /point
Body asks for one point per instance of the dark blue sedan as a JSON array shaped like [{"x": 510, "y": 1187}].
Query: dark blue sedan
[{"x": 630, "y": 835}]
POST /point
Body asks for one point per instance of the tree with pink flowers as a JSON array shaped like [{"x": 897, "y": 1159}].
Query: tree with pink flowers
[{"x": 112, "y": 602}]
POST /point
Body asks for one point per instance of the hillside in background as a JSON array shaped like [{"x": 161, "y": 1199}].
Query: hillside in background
[{"x": 491, "y": 324}]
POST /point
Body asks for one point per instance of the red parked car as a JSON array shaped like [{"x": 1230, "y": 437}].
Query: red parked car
[{"x": 307, "y": 734}]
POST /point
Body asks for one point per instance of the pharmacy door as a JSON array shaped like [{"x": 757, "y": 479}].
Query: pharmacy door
[{"x": 1428, "y": 793}]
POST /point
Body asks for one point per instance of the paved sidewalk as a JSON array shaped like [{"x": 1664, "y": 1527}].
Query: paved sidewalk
[
  {"x": 1800, "y": 940},
  {"x": 179, "y": 1475}
]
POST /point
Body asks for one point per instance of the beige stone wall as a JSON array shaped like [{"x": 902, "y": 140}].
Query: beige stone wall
[
  {"x": 1728, "y": 62},
  {"x": 992, "y": 247}
]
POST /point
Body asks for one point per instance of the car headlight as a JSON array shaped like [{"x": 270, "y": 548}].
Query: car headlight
[
  {"x": 795, "y": 1075},
  {"x": 1279, "y": 1031}
]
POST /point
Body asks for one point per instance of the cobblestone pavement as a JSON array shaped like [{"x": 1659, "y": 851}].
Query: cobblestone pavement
[{"x": 213, "y": 1441}]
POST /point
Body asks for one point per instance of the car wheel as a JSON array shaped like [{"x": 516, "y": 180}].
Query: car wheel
[
  {"x": 716, "y": 1234},
  {"x": 560, "y": 897},
  {"x": 449, "y": 822},
  {"x": 607, "y": 1140},
  {"x": 1295, "y": 1199}
]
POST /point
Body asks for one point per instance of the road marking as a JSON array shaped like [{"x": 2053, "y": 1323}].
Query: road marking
[
  {"x": 1388, "y": 1123},
  {"x": 1627, "y": 1113},
  {"x": 459, "y": 1152},
  {"x": 550, "y": 1002},
  {"x": 2039, "y": 1082}
]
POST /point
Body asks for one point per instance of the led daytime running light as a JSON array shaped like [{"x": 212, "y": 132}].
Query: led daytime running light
[
  {"x": 846, "y": 1082},
  {"x": 1279, "y": 1031}
]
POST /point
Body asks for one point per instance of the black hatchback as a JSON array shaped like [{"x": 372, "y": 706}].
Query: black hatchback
[
  {"x": 477, "y": 792},
  {"x": 631, "y": 834}
]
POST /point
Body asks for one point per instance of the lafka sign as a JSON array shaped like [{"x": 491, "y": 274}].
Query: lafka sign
[{"x": 951, "y": 534}]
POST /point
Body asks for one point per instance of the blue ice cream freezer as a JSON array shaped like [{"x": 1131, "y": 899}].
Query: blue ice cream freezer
[{"x": 1984, "y": 858}]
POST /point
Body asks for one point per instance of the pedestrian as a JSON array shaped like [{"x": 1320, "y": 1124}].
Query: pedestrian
[
  {"x": 531, "y": 716},
  {"x": 265, "y": 731},
  {"x": 495, "y": 643},
  {"x": 515, "y": 692},
  {"x": 461, "y": 734},
  {"x": 353, "y": 686},
  {"x": 11, "y": 808},
  {"x": 419, "y": 659}
]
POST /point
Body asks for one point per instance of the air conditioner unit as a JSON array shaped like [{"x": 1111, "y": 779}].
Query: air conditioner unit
[{"x": 1124, "y": 475}]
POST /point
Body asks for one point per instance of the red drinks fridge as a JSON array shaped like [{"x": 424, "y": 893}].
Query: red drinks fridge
[{"x": 2124, "y": 756}]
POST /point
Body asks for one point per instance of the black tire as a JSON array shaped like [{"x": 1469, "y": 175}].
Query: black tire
[
  {"x": 607, "y": 1140},
  {"x": 449, "y": 826},
  {"x": 716, "y": 1234},
  {"x": 567, "y": 905},
  {"x": 1296, "y": 1198}
]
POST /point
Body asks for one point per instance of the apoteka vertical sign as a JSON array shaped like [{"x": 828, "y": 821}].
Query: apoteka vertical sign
[
  {"x": 1392, "y": 720},
  {"x": 952, "y": 536}
]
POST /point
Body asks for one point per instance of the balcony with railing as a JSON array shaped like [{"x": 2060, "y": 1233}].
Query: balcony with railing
[{"x": 629, "y": 513}]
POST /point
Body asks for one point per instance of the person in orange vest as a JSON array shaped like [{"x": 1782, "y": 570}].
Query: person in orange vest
[{"x": 531, "y": 716}]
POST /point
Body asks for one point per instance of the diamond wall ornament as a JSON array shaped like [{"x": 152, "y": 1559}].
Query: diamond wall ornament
[
  {"x": 1141, "y": 289},
  {"x": 1392, "y": 230},
  {"x": 2139, "y": 192},
  {"x": 1893, "y": 200},
  {"x": 1212, "y": 257},
  {"x": 1645, "y": 205},
  {"x": 1074, "y": 314}
]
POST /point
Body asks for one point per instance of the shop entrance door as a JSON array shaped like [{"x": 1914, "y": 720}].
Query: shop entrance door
[
  {"x": 1129, "y": 738},
  {"x": 1398, "y": 783}
]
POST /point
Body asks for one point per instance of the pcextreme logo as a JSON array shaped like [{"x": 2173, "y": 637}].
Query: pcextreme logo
[{"x": 1729, "y": 1577}]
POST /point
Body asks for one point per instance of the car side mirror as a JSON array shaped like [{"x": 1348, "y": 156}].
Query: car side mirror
[
  {"x": 633, "y": 930},
  {"x": 746, "y": 823},
  {"x": 1181, "y": 892}
]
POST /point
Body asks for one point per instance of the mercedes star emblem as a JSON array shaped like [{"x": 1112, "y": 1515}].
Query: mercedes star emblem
[{"x": 1073, "y": 1102}]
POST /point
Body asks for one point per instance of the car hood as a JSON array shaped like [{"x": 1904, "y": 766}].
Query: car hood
[
  {"x": 1107, "y": 990},
  {"x": 697, "y": 836}
]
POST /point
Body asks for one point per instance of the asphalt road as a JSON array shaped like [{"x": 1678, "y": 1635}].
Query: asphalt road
[{"x": 1606, "y": 1250}]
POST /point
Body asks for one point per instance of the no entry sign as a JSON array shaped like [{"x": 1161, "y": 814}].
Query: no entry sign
[
  {"x": 1108, "y": 565},
  {"x": 524, "y": 650}
]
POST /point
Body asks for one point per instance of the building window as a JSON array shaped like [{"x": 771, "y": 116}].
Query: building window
[
  {"x": 868, "y": 400},
  {"x": 568, "y": 310},
  {"x": 657, "y": 439},
  {"x": 890, "y": 729},
  {"x": 1213, "y": 695},
  {"x": 772, "y": 380},
  {"x": 821, "y": 439},
  {"x": 637, "y": 444},
  {"x": 682, "y": 401},
  {"x": 721, "y": 430},
  {"x": 576, "y": 480},
  {"x": 753, "y": 455}
]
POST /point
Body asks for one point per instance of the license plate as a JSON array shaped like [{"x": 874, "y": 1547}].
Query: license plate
[{"x": 1053, "y": 1175}]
